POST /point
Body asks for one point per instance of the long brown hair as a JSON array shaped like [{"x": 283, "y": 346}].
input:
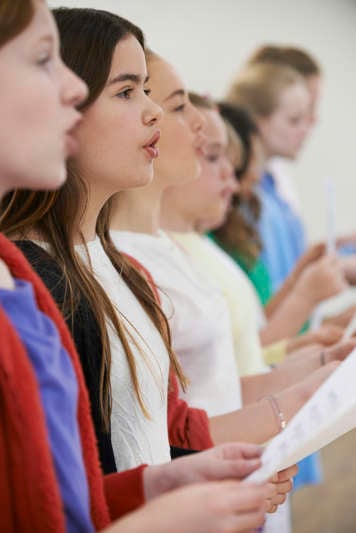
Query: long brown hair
[
  {"x": 15, "y": 16},
  {"x": 239, "y": 233},
  {"x": 88, "y": 40}
]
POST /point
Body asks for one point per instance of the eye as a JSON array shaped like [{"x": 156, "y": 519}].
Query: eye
[
  {"x": 44, "y": 60},
  {"x": 179, "y": 108},
  {"x": 212, "y": 158},
  {"x": 125, "y": 94},
  {"x": 147, "y": 92}
]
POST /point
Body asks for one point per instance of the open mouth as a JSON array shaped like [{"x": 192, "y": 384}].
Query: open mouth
[
  {"x": 72, "y": 144},
  {"x": 151, "y": 147}
]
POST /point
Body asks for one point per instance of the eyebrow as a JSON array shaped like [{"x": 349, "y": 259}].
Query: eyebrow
[
  {"x": 178, "y": 92},
  {"x": 215, "y": 145},
  {"x": 135, "y": 78},
  {"x": 46, "y": 37}
]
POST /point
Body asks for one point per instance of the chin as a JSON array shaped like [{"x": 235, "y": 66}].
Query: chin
[
  {"x": 48, "y": 182},
  {"x": 140, "y": 180}
]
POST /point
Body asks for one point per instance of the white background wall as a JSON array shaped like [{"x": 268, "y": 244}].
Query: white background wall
[{"x": 208, "y": 40}]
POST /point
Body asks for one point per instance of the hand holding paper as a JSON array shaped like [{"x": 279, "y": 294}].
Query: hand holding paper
[{"x": 330, "y": 413}]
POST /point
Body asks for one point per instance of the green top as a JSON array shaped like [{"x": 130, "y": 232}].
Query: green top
[{"x": 258, "y": 273}]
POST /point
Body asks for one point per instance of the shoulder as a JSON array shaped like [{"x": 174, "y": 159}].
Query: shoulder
[{"x": 45, "y": 266}]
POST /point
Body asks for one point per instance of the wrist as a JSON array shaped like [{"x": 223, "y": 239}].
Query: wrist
[
  {"x": 277, "y": 412},
  {"x": 157, "y": 480}
]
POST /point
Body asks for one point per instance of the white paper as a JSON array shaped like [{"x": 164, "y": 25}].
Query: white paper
[
  {"x": 328, "y": 414},
  {"x": 333, "y": 306},
  {"x": 350, "y": 329}
]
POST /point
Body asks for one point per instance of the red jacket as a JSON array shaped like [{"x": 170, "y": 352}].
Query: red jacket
[{"x": 29, "y": 494}]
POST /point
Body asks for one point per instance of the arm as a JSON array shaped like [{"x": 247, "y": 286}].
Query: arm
[
  {"x": 257, "y": 422},
  {"x": 294, "y": 369},
  {"x": 314, "y": 253},
  {"x": 318, "y": 281},
  {"x": 214, "y": 507}
]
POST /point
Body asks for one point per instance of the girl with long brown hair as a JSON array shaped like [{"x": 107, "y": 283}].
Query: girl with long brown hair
[{"x": 121, "y": 334}]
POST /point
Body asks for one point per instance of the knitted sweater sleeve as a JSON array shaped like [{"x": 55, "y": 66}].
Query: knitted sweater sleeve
[
  {"x": 188, "y": 427},
  {"x": 124, "y": 491}
]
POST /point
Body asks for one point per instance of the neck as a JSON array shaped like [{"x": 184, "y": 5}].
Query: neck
[
  {"x": 174, "y": 214},
  {"x": 138, "y": 210},
  {"x": 87, "y": 225}
]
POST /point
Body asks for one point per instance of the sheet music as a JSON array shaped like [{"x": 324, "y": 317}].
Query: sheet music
[{"x": 328, "y": 414}]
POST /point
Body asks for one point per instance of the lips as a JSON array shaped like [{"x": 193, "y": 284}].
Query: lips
[
  {"x": 71, "y": 142},
  {"x": 72, "y": 145},
  {"x": 199, "y": 143},
  {"x": 150, "y": 147}
]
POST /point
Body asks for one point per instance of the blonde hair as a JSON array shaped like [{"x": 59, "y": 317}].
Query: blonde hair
[
  {"x": 258, "y": 87},
  {"x": 297, "y": 58}
]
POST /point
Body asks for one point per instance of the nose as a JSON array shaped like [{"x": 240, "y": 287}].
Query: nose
[
  {"x": 196, "y": 118},
  {"x": 74, "y": 90},
  {"x": 152, "y": 112},
  {"x": 228, "y": 175}
]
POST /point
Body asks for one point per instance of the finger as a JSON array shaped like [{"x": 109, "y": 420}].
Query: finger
[
  {"x": 284, "y": 487},
  {"x": 287, "y": 473},
  {"x": 238, "y": 450},
  {"x": 245, "y": 498},
  {"x": 246, "y": 521},
  {"x": 274, "y": 478},
  {"x": 273, "y": 509},
  {"x": 278, "y": 499},
  {"x": 241, "y": 468}
]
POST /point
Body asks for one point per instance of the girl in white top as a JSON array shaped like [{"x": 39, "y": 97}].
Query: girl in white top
[
  {"x": 136, "y": 438},
  {"x": 135, "y": 226},
  {"x": 199, "y": 320}
]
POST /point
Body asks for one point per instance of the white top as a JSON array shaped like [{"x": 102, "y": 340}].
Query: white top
[
  {"x": 240, "y": 296},
  {"x": 135, "y": 438},
  {"x": 199, "y": 319}
]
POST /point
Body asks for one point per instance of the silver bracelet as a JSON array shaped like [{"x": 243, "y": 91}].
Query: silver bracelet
[{"x": 277, "y": 412}]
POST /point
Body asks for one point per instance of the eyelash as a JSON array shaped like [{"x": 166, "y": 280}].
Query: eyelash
[
  {"x": 212, "y": 158},
  {"x": 44, "y": 60},
  {"x": 127, "y": 92},
  {"x": 179, "y": 108}
]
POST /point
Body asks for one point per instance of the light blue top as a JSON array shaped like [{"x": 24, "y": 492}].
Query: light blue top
[{"x": 281, "y": 231}]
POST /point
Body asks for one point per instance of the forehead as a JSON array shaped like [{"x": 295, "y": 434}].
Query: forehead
[
  {"x": 41, "y": 25},
  {"x": 214, "y": 127},
  {"x": 295, "y": 97},
  {"x": 128, "y": 58},
  {"x": 164, "y": 79}
]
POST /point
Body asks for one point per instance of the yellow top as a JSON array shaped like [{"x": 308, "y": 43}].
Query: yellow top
[
  {"x": 275, "y": 353},
  {"x": 239, "y": 293}
]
